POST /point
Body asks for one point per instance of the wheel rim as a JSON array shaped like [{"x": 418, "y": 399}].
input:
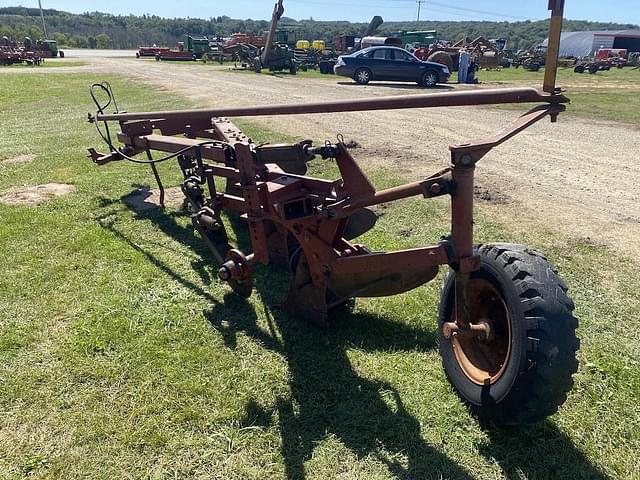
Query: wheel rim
[
  {"x": 484, "y": 361},
  {"x": 430, "y": 79},
  {"x": 363, "y": 76}
]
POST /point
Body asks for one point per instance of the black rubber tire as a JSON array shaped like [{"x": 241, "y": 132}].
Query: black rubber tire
[
  {"x": 60, "y": 53},
  {"x": 293, "y": 69},
  {"x": 257, "y": 65},
  {"x": 579, "y": 69},
  {"x": 542, "y": 358},
  {"x": 429, "y": 79},
  {"x": 593, "y": 69},
  {"x": 362, "y": 76},
  {"x": 534, "y": 67},
  {"x": 137, "y": 55}
]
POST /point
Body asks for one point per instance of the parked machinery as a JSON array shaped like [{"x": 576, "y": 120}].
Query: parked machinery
[
  {"x": 604, "y": 60},
  {"x": 533, "y": 59},
  {"x": 505, "y": 324},
  {"x": 151, "y": 51},
  {"x": 12, "y": 53},
  {"x": 484, "y": 53},
  {"x": 315, "y": 56},
  {"x": 241, "y": 48},
  {"x": 345, "y": 44},
  {"x": 192, "y": 48},
  {"x": 43, "y": 48},
  {"x": 275, "y": 56}
]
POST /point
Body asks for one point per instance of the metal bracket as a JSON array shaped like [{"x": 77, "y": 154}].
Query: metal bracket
[
  {"x": 466, "y": 155},
  {"x": 436, "y": 187}
]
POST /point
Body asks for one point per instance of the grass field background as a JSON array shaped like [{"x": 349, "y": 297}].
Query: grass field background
[{"x": 121, "y": 356}]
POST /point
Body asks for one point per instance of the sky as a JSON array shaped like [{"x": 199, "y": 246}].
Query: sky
[{"x": 622, "y": 11}]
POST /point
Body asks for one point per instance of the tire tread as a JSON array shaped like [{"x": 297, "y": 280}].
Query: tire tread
[{"x": 551, "y": 341}]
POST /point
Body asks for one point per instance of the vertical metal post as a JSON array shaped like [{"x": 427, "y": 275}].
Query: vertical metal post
[
  {"x": 419, "y": 2},
  {"x": 247, "y": 168},
  {"x": 462, "y": 232},
  {"x": 44, "y": 25},
  {"x": 553, "y": 47}
]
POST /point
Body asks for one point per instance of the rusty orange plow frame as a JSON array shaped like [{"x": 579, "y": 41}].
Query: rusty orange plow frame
[{"x": 310, "y": 224}]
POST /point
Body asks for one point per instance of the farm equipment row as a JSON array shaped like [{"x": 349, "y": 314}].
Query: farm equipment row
[
  {"x": 505, "y": 323},
  {"x": 41, "y": 48},
  {"x": 27, "y": 51}
]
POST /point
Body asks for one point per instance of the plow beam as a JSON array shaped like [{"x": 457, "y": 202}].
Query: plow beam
[{"x": 431, "y": 100}]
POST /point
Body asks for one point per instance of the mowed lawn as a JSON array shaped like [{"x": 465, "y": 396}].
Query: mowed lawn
[
  {"x": 121, "y": 356},
  {"x": 607, "y": 95}
]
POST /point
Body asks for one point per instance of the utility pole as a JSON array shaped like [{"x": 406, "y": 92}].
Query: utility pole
[
  {"x": 419, "y": 2},
  {"x": 44, "y": 25}
]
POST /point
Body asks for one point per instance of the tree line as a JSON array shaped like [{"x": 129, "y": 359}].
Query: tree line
[{"x": 101, "y": 30}]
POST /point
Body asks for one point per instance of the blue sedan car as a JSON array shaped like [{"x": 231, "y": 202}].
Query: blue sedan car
[{"x": 391, "y": 64}]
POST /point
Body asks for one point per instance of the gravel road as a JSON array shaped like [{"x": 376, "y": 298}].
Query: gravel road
[{"x": 578, "y": 176}]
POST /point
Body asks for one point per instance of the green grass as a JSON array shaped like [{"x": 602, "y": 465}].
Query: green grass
[
  {"x": 612, "y": 95},
  {"x": 122, "y": 357},
  {"x": 50, "y": 64},
  {"x": 566, "y": 77}
]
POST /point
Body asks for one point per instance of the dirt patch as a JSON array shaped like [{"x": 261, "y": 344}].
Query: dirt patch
[
  {"x": 490, "y": 195},
  {"x": 35, "y": 195},
  {"x": 19, "y": 159},
  {"x": 145, "y": 198}
]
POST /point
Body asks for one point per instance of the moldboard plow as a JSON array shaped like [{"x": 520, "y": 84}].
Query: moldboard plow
[{"x": 506, "y": 325}]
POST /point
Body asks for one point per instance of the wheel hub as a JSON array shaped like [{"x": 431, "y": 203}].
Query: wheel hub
[{"x": 482, "y": 351}]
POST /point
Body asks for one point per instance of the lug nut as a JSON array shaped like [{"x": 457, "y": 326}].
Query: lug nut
[{"x": 224, "y": 274}]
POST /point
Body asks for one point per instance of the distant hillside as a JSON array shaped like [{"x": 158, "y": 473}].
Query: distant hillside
[{"x": 101, "y": 30}]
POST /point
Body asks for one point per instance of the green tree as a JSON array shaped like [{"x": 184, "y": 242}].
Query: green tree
[
  {"x": 61, "y": 39},
  {"x": 103, "y": 41},
  {"x": 79, "y": 41}
]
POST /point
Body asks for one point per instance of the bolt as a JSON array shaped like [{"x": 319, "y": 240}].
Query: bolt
[
  {"x": 466, "y": 160},
  {"x": 435, "y": 189}
]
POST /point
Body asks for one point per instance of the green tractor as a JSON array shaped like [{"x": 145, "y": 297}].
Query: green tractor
[
  {"x": 197, "y": 45},
  {"x": 44, "y": 48},
  {"x": 52, "y": 47}
]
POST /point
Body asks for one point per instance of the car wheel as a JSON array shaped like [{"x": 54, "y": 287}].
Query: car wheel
[
  {"x": 362, "y": 76},
  {"x": 429, "y": 79}
]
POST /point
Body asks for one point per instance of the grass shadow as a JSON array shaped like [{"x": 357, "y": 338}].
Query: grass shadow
[
  {"x": 540, "y": 451},
  {"x": 329, "y": 397}
]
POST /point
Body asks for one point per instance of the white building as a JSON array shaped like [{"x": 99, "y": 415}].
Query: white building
[{"x": 584, "y": 44}]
